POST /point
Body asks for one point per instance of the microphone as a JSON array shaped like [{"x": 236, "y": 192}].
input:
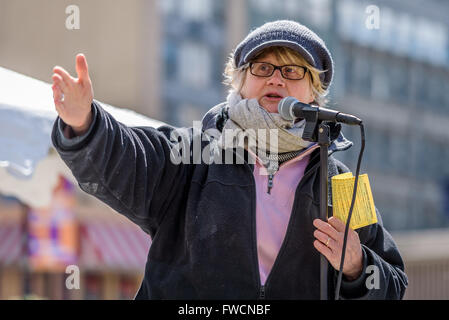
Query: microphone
[{"x": 290, "y": 108}]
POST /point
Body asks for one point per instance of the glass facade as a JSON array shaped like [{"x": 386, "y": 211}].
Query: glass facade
[
  {"x": 393, "y": 70},
  {"x": 399, "y": 68},
  {"x": 193, "y": 58},
  {"x": 400, "y": 31},
  {"x": 393, "y": 67}
]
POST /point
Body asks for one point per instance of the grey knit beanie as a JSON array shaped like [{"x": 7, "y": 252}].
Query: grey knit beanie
[{"x": 289, "y": 34}]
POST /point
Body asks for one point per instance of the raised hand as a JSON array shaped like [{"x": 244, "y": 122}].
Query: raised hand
[{"x": 73, "y": 97}]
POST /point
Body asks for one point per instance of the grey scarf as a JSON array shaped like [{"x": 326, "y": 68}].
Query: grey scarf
[{"x": 268, "y": 134}]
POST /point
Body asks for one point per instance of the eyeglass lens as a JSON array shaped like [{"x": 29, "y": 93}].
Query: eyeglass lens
[{"x": 264, "y": 69}]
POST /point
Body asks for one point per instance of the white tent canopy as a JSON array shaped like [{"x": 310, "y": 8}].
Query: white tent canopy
[{"x": 29, "y": 166}]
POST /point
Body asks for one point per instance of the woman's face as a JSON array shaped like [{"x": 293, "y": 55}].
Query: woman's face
[{"x": 263, "y": 89}]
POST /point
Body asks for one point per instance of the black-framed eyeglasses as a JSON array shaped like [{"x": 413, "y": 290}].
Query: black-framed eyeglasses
[{"x": 265, "y": 69}]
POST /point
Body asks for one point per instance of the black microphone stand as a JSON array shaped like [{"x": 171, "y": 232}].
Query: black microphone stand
[{"x": 316, "y": 131}]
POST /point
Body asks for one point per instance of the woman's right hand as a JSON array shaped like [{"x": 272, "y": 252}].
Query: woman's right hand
[{"x": 73, "y": 97}]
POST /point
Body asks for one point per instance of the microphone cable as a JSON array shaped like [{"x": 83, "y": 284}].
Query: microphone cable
[{"x": 354, "y": 193}]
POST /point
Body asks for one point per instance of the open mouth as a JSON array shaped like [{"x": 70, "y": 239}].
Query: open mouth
[{"x": 273, "y": 96}]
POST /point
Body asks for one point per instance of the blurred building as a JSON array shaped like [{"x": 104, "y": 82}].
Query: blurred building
[
  {"x": 393, "y": 73},
  {"x": 76, "y": 248},
  {"x": 119, "y": 38},
  {"x": 193, "y": 47},
  {"x": 396, "y": 78},
  {"x": 165, "y": 59}
]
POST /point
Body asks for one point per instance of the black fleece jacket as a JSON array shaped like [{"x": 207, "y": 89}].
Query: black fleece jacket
[{"x": 202, "y": 217}]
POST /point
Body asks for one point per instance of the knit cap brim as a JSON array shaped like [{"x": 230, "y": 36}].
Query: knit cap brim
[{"x": 290, "y": 34}]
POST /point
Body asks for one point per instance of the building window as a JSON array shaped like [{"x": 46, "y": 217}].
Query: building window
[
  {"x": 399, "y": 82},
  {"x": 371, "y": 155},
  {"x": 399, "y": 152},
  {"x": 393, "y": 213},
  {"x": 436, "y": 91},
  {"x": 383, "y": 158},
  {"x": 195, "y": 65},
  {"x": 362, "y": 74},
  {"x": 319, "y": 11},
  {"x": 398, "y": 32},
  {"x": 422, "y": 95},
  {"x": 428, "y": 155},
  {"x": 171, "y": 59},
  {"x": 167, "y": 6},
  {"x": 265, "y": 6},
  {"x": 380, "y": 85},
  {"x": 433, "y": 35},
  {"x": 196, "y": 10},
  {"x": 347, "y": 67},
  {"x": 404, "y": 32},
  {"x": 445, "y": 81}
]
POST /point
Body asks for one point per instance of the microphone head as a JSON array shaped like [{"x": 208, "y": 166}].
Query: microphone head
[{"x": 285, "y": 107}]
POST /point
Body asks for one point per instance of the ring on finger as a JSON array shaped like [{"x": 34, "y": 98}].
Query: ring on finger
[{"x": 327, "y": 242}]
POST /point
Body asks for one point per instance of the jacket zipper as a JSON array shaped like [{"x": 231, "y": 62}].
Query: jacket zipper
[
  {"x": 289, "y": 227},
  {"x": 263, "y": 287},
  {"x": 272, "y": 170},
  {"x": 270, "y": 182},
  {"x": 262, "y": 292}
]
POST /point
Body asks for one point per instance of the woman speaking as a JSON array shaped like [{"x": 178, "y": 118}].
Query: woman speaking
[{"x": 230, "y": 230}]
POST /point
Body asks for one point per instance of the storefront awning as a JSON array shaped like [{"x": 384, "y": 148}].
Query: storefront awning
[
  {"x": 112, "y": 245},
  {"x": 11, "y": 243}
]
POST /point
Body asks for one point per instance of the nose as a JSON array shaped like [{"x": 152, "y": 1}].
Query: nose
[{"x": 276, "y": 79}]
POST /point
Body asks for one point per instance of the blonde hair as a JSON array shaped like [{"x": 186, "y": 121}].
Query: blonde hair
[{"x": 235, "y": 77}]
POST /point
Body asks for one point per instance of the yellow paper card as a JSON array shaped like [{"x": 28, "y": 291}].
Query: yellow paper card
[{"x": 364, "y": 212}]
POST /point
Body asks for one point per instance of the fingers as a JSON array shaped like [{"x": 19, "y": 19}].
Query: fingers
[
  {"x": 57, "y": 92},
  {"x": 66, "y": 78},
  {"x": 340, "y": 227},
  {"x": 326, "y": 251},
  {"x": 325, "y": 239},
  {"x": 57, "y": 97},
  {"x": 326, "y": 228},
  {"x": 82, "y": 68},
  {"x": 58, "y": 81},
  {"x": 332, "y": 234},
  {"x": 337, "y": 224}
]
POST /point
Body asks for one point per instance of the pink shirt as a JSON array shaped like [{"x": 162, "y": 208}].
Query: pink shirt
[{"x": 273, "y": 210}]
